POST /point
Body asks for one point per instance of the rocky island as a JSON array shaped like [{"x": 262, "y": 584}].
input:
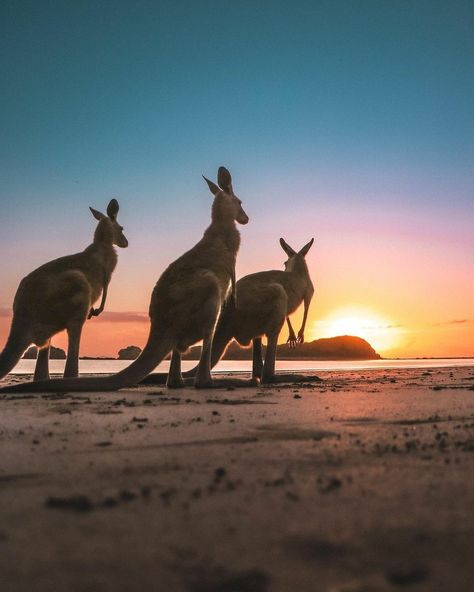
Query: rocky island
[{"x": 343, "y": 347}]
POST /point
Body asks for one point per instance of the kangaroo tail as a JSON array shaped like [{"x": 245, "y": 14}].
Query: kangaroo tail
[
  {"x": 154, "y": 351},
  {"x": 17, "y": 342}
]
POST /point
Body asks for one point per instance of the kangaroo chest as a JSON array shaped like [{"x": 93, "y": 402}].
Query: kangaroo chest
[{"x": 295, "y": 293}]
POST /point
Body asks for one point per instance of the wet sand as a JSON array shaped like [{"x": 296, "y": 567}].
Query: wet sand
[{"x": 361, "y": 482}]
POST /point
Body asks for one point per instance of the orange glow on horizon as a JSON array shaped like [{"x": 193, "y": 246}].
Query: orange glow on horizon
[{"x": 382, "y": 334}]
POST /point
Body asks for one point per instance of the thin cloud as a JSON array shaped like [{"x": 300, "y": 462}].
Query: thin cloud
[
  {"x": 124, "y": 317},
  {"x": 107, "y": 316},
  {"x": 454, "y": 322},
  {"x": 382, "y": 327},
  {"x": 378, "y": 327}
]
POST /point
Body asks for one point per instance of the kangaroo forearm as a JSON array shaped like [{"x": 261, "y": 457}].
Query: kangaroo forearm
[
  {"x": 104, "y": 298},
  {"x": 303, "y": 324},
  {"x": 305, "y": 316},
  {"x": 95, "y": 312},
  {"x": 290, "y": 326}
]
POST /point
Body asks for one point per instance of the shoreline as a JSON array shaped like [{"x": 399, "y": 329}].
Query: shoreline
[{"x": 92, "y": 367}]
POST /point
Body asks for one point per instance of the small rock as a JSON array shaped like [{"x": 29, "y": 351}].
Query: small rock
[
  {"x": 219, "y": 473},
  {"x": 109, "y": 502},
  {"x": 331, "y": 484},
  {"x": 127, "y": 496},
  {"x": 77, "y": 503},
  {"x": 406, "y": 576}
]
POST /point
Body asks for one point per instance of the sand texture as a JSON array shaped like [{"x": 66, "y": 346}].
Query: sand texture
[{"x": 362, "y": 482}]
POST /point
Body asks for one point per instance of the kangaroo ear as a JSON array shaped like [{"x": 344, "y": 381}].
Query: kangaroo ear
[
  {"x": 286, "y": 247},
  {"x": 212, "y": 186},
  {"x": 97, "y": 215},
  {"x": 306, "y": 248},
  {"x": 224, "y": 180},
  {"x": 112, "y": 209}
]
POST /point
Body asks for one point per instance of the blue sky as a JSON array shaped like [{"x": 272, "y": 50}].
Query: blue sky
[
  {"x": 114, "y": 93},
  {"x": 334, "y": 117}
]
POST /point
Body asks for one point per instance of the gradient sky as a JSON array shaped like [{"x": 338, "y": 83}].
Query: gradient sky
[{"x": 352, "y": 122}]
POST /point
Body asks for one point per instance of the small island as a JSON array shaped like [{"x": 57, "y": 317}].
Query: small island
[
  {"x": 130, "y": 352},
  {"x": 55, "y": 353}
]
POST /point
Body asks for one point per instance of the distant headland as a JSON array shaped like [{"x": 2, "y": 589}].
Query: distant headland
[{"x": 343, "y": 347}]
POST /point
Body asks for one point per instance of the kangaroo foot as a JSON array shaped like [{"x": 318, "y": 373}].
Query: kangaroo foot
[
  {"x": 279, "y": 378},
  {"x": 41, "y": 376},
  {"x": 220, "y": 383},
  {"x": 236, "y": 382},
  {"x": 175, "y": 383},
  {"x": 71, "y": 374},
  {"x": 162, "y": 377},
  {"x": 155, "y": 378},
  {"x": 204, "y": 383},
  {"x": 241, "y": 383}
]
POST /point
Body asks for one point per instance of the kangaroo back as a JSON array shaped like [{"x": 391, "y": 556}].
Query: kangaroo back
[{"x": 18, "y": 341}]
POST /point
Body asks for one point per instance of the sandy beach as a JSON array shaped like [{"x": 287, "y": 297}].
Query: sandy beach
[{"x": 361, "y": 482}]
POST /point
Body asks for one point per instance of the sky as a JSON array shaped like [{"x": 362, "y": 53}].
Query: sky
[{"x": 351, "y": 122}]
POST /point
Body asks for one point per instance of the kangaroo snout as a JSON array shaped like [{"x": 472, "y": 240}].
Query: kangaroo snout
[
  {"x": 242, "y": 218},
  {"x": 122, "y": 243}
]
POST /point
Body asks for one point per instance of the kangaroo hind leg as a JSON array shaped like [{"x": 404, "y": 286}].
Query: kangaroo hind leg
[
  {"x": 257, "y": 359},
  {"x": 42, "y": 363},
  {"x": 203, "y": 377},
  {"x": 72, "y": 363},
  {"x": 268, "y": 373},
  {"x": 175, "y": 379}
]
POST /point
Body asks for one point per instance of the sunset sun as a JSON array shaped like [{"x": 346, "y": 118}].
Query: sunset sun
[{"x": 382, "y": 334}]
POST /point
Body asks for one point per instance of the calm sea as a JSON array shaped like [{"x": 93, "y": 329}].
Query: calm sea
[{"x": 112, "y": 366}]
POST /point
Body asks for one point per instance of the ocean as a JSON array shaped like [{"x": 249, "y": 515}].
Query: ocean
[{"x": 112, "y": 366}]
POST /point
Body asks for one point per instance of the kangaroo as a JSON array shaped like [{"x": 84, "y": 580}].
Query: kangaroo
[
  {"x": 185, "y": 303},
  {"x": 59, "y": 295},
  {"x": 264, "y": 300}
]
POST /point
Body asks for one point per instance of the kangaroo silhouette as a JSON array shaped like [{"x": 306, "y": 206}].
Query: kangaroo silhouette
[
  {"x": 264, "y": 300},
  {"x": 185, "y": 303},
  {"x": 59, "y": 295}
]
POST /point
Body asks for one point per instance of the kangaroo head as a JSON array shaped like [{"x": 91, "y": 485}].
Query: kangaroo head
[
  {"x": 296, "y": 261},
  {"x": 226, "y": 204},
  {"x": 108, "y": 229}
]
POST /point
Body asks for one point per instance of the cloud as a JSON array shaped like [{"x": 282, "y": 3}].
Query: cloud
[
  {"x": 454, "y": 322},
  {"x": 124, "y": 317},
  {"x": 372, "y": 327},
  {"x": 107, "y": 316}
]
